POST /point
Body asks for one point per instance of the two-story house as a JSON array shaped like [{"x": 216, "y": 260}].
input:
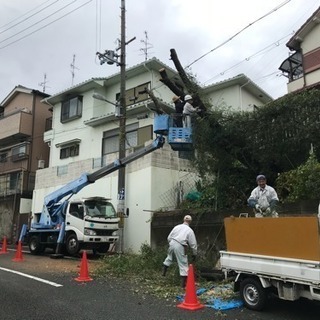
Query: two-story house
[
  {"x": 303, "y": 66},
  {"x": 85, "y": 136},
  {"x": 22, "y": 151}
]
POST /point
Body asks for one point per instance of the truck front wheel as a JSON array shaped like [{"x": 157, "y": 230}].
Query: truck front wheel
[
  {"x": 103, "y": 248},
  {"x": 72, "y": 244},
  {"x": 35, "y": 245},
  {"x": 253, "y": 294}
]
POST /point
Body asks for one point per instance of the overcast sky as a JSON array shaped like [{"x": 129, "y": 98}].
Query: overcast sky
[{"x": 41, "y": 37}]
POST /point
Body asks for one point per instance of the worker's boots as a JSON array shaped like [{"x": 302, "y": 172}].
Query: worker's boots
[
  {"x": 164, "y": 270},
  {"x": 183, "y": 281}
]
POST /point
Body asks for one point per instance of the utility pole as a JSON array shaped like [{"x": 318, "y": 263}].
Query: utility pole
[
  {"x": 122, "y": 123},
  {"x": 110, "y": 57}
]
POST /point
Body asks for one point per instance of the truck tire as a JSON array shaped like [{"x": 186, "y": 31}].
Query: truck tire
[
  {"x": 72, "y": 244},
  {"x": 35, "y": 245},
  {"x": 253, "y": 294},
  {"x": 103, "y": 248}
]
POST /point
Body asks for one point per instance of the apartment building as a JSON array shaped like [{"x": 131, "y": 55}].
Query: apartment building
[
  {"x": 23, "y": 120},
  {"x": 303, "y": 66}
]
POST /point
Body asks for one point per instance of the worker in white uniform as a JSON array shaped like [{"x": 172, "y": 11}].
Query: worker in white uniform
[
  {"x": 263, "y": 199},
  {"x": 180, "y": 238},
  {"x": 188, "y": 111}
]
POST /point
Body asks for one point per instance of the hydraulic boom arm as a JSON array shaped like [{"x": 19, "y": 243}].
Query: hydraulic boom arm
[{"x": 50, "y": 208}]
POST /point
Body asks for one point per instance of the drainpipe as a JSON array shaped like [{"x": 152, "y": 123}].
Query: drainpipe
[
  {"x": 145, "y": 66},
  {"x": 303, "y": 70},
  {"x": 240, "y": 94},
  {"x": 32, "y": 131}
]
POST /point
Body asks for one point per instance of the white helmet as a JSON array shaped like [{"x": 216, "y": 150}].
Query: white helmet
[{"x": 187, "y": 97}]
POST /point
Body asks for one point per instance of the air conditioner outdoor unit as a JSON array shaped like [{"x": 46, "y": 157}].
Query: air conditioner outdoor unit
[{"x": 41, "y": 164}]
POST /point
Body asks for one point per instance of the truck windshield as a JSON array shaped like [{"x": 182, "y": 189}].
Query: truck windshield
[{"x": 98, "y": 208}]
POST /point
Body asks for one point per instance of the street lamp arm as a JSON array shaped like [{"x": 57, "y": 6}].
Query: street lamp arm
[{"x": 99, "y": 96}]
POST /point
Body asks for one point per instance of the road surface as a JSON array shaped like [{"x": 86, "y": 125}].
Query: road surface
[{"x": 43, "y": 288}]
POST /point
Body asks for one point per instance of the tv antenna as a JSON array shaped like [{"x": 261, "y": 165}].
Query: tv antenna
[
  {"x": 43, "y": 83},
  {"x": 147, "y": 46},
  {"x": 73, "y": 67}
]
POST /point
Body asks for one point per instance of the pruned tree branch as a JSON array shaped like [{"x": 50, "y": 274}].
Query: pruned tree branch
[
  {"x": 157, "y": 108},
  {"x": 167, "y": 81},
  {"x": 184, "y": 77},
  {"x": 191, "y": 86}
]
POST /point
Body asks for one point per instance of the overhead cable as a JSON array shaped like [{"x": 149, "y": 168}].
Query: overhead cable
[
  {"x": 236, "y": 34},
  {"x": 44, "y": 26}
]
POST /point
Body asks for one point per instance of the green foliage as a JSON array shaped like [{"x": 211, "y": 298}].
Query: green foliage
[
  {"x": 233, "y": 147},
  {"x": 302, "y": 183},
  {"x": 145, "y": 269},
  {"x": 126, "y": 264}
]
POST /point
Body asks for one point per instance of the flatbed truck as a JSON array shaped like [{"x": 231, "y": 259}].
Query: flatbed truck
[{"x": 272, "y": 256}]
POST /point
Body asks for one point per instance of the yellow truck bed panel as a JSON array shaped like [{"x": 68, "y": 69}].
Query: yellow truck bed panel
[{"x": 289, "y": 237}]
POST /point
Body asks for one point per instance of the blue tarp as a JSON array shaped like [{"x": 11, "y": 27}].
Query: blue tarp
[{"x": 217, "y": 303}]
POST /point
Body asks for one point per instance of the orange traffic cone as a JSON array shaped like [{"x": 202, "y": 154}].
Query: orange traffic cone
[
  {"x": 18, "y": 257},
  {"x": 84, "y": 274},
  {"x": 190, "y": 300},
  {"x": 4, "y": 246}
]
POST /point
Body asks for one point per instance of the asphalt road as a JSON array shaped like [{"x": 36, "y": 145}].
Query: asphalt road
[{"x": 109, "y": 298}]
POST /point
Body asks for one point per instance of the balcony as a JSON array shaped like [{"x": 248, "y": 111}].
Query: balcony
[
  {"x": 14, "y": 163},
  {"x": 15, "y": 127},
  {"x": 131, "y": 110}
]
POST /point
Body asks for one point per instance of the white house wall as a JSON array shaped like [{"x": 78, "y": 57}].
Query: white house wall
[
  {"x": 312, "y": 41},
  {"x": 235, "y": 97},
  {"x": 146, "y": 180}
]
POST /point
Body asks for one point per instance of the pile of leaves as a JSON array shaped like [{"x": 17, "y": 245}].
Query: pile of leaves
[{"x": 144, "y": 270}]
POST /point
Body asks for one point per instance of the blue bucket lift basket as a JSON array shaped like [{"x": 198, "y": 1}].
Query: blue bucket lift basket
[
  {"x": 161, "y": 124},
  {"x": 180, "y": 139}
]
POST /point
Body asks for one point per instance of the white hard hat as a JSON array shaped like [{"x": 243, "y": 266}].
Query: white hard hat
[
  {"x": 187, "y": 97},
  {"x": 187, "y": 218}
]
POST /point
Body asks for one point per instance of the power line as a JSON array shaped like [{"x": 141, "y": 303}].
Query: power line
[
  {"x": 50, "y": 15},
  {"x": 46, "y": 25},
  {"x": 237, "y": 33},
  {"x": 8, "y": 23},
  {"x": 27, "y": 18},
  {"x": 98, "y": 25},
  {"x": 262, "y": 51}
]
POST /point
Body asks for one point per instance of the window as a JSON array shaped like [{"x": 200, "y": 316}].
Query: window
[
  {"x": 69, "y": 151},
  {"x": 136, "y": 94},
  {"x": 48, "y": 125},
  {"x": 76, "y": 210},
  {"x": 3, "y": 157},
  {"x": 14, "y": 181},
  {"x": 19, "y": 152},
  {"x": 71, "y": 109},
  {"x": 134, "y": 137}
]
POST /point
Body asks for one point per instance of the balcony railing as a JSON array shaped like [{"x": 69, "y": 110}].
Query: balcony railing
[
  {"x": 20, "y": 182},
  {"x": 16, "y": 126},
  {"x": 12, "y": 164}
]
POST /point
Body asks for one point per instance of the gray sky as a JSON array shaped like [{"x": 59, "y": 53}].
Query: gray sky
[{"x": 192, "y": 28}]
